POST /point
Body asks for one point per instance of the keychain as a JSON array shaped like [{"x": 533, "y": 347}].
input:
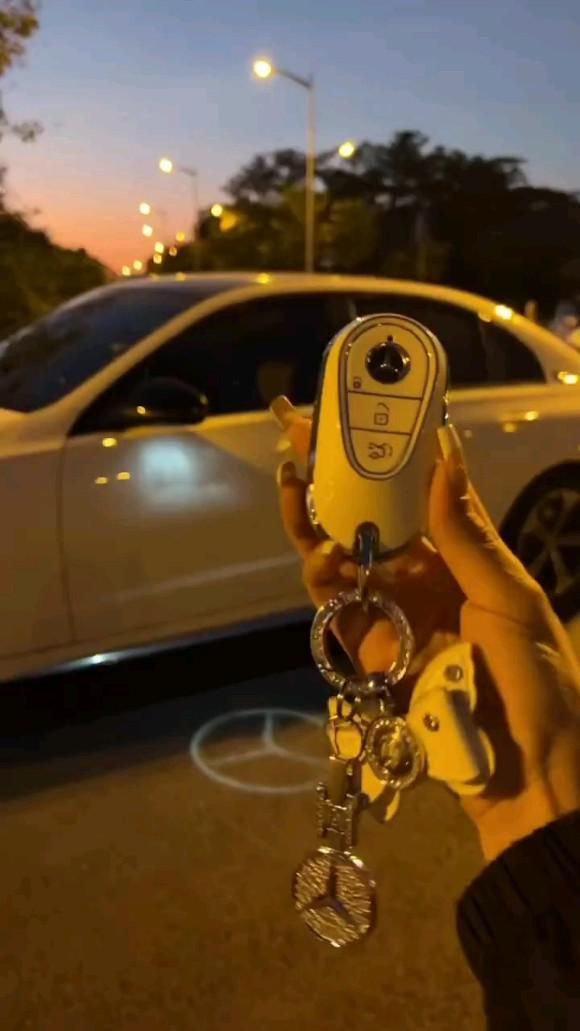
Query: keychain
[{"x": 381, "y": 399}]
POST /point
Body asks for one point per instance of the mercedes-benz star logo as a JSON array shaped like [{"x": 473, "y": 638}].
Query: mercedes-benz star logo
[
  {"x": 335, "y": 896},
  {"x": 263, "y": 731}
]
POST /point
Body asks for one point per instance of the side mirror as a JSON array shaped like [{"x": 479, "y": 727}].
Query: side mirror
[{"x": 156, "y": 402}]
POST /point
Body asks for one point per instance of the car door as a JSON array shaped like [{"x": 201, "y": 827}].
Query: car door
[
  {"x": 478, "y": 362},
  {"x": 176, "y": 528}
]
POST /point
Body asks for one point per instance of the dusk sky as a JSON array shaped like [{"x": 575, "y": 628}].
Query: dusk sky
[{"x": 119, "y": 83}]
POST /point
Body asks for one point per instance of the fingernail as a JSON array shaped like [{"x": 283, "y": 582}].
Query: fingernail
[
  {"x": 449, "y": 441},
  {"x": 283, "y": 411},
  {"x": 452, "y": 451},
  {"x": 285, "y": 473}
]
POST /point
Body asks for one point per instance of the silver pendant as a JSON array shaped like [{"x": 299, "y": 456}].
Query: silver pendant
[
  {"x": 335, "y": 896},
  {"x": 392, "y": 752}
]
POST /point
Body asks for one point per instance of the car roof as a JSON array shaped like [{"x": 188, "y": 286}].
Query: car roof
[
  {"x": 205, "y": 284},
  {"x": 212, "y": 282}
]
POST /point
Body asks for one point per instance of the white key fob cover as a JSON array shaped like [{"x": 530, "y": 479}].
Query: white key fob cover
[{"x": 381, "y": 398}]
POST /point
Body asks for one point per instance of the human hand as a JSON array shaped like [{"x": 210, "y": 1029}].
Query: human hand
[{"x": 466, "y": 583}]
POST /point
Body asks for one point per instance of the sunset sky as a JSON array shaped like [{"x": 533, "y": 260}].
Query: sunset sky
[{"x": 118, "y": 84}]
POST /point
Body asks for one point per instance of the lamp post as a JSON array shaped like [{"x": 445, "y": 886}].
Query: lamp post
[
  {"x": 265, "y": 69},
  {"x": 167, "y": 166}
]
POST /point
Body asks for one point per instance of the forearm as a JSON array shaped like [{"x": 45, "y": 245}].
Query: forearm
[{"x": 519, "y": 926}]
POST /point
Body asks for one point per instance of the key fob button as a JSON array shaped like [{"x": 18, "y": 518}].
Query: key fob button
[
  {"x": 378, "y": 453},
  {"x": 388, "y": 362},
  {"x": 385, "y": 413}
]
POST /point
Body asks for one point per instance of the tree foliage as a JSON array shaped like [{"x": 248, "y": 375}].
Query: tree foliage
[
  {"x": 402, "y": 208},
  {"x": 36, "y": 274},
  {"x": 18, "y": 22}
]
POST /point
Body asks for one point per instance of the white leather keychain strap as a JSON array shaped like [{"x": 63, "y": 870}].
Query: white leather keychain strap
[{"x": 441, "y": 719}]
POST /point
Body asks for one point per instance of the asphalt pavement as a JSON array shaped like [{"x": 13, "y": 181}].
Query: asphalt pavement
[{"x": 149, "y": 833}]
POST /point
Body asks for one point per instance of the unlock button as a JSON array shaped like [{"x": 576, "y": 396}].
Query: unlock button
[
  {"x": 381, "y": 414},
  {"x": 388, "y": 413}
]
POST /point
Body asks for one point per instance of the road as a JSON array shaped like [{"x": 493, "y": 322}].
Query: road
[{"x": 145, "y": 862}]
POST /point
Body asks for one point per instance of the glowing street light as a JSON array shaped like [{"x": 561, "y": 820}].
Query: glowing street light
[
  {"x": 126, "y": 270},
  {"x": 147, "y": 230},
  {"x": 138, "y": 265},
  {"x": 172, "y": 251},
  {"x": 144, "y": 208},
  {"x": 157, "y": 259},
  {"x": 180, "y": 237},
  {"x": 217, "y": 210},
  {"x": 168, "y": 166},
  {"x": 159, "y": 247},
  {"x": 347, "y": 149},
  {"x": 264, "y": 68}
]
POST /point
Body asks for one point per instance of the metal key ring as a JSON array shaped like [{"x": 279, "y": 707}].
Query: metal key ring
[{"x": 375, "y": 683}]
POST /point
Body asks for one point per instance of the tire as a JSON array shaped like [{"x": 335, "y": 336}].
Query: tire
[{"x": 543, "y": 529}]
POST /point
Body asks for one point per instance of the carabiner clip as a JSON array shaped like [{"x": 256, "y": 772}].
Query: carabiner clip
[{"x": 365, "y": 552}]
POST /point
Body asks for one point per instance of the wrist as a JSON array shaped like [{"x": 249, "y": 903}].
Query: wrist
[{"x": 503, "y": 823}]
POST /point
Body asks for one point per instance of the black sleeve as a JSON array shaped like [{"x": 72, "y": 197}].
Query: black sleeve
[{"x": 519, "y": 927}]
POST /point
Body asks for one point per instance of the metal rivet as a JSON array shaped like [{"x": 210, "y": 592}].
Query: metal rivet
[
  {"x": 431, "y": 722},
  {"x": 454, "y": 673}
]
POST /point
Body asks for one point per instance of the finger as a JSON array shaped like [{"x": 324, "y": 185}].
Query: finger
[
  {"x": 486, "y": 570},
  {"x": 297, "y": 428},
  {"x": 322, "y": 565},
  {"x": 293, "y": 509},
  {"x": 299, "y": 433}
]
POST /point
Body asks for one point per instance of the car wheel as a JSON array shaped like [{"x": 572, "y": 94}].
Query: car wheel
[{"x": 543, "y": 529}]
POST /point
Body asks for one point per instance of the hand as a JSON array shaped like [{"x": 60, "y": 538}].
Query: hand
[{"x": 465, "y": 583}]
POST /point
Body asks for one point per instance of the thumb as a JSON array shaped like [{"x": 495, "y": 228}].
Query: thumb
[{"x": 488, "y": 573}]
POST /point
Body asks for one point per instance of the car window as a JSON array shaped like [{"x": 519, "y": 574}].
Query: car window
[
  {"x": 509, "y": 360},
  {"x": 245, "y": 355},
  {"x": 45, "y": 361},
  {"x": 456, "y": 328}
]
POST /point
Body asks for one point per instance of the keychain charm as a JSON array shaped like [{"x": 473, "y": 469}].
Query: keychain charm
[
  {"x": 332, "y": 889},
  {"x": 392, "y": 752},
  {"x": 335, "y": 896}
]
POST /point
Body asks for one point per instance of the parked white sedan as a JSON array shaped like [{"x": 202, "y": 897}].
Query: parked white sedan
[{"x": 137, "y": 455}]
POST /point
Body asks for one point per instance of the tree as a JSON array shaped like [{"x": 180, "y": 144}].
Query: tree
[
  {"x": 36, "y": 275},
  {"x": 18, "y": 22},
  {"x": 404, "y": 208}
]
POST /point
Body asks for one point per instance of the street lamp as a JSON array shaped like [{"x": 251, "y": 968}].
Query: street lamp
[
  {"x": 265, "y": 69},
  {"x": 168, "y": 166},
  {"x": 347, "y": 149},
  {"x": 138, "y": 265},
  {"x": 126, "y": 270},
  {"x": 147, "y": 230},
  {"x": 159, "y": 247},
  {"x": 217, "y": 210},
  {"x": 144, "y": 208}
]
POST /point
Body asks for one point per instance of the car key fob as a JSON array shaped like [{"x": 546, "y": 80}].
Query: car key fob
[{"x": 382, "y": 395}]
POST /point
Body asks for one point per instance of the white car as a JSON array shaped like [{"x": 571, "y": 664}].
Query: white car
[{"x": 137, "y": 455}]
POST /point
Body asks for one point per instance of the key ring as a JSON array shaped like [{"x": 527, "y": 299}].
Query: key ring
[{"x": 374, "y": 683}]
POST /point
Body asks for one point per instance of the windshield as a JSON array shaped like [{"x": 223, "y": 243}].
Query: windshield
[{"x": 45, "y": 361}]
